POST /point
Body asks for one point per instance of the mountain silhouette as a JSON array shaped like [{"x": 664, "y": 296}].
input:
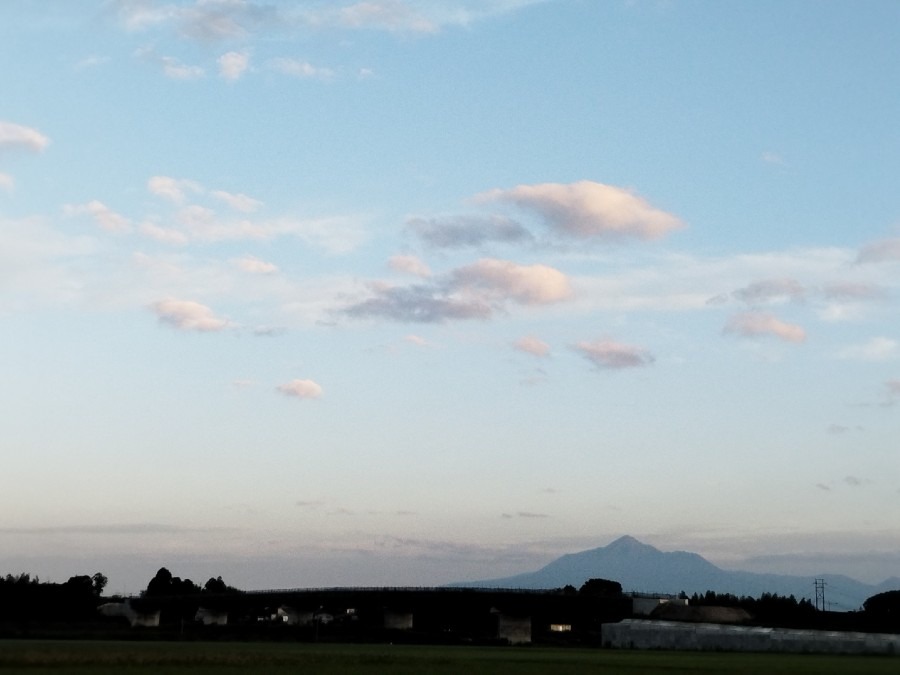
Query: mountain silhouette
[{"x": 642, "y": 568}]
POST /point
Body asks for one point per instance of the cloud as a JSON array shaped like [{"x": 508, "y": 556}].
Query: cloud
[
  {"x": 876, "y": 349},
  {"x": 173, "y": 189},
  {"x": 771, "y": 291},
  {"x": 885, "y": 250},
  {"x": 758, "y": 324},
  {"x": 532, "y": 345},
  {"x": 232, "y": 65},
  {"x": 524, "y": 514},
  {"x": 588, "y": 209},
  {"x": 238, "y": 202},
  {"x": 17, "y": 137},
  {"x": 391, "y": 15},
  {"x": 104, "y": 216},
  {"x": 203, "y": 20},
  {"x": 770, "y": 157},
  {"x": 254, "y": 265},
  {"x": 165, "y": 235},
  {"x": 174, "y": 69},
  {"x": 852, "y": 291},
  {"x": 892, "y": 392},
  {"x": 419, "y": 304},
  {"x": 188, "y": 315},
  {"x": 7, "y": 182},
  {"x": 416, "y": 340},
  {"x": 303, "y": 389},
  {"x": 526, "y": 284},
  {"x": 409, "y": 264},
  {"x": 301, "y": 69},
  {"x": 854, "y": 481},
  {"x": 462, "y": 231},
  {"x": 611, "y": 355},
  {"x": 475, "y": 291}
]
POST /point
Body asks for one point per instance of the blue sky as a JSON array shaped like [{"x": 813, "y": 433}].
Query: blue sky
[{"x": 408, "y": 292}]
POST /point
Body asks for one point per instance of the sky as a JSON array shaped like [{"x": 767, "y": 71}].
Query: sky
[{"x": 406, "y": 292}]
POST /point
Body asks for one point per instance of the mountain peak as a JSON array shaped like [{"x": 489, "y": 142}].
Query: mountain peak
[{"x": 628, "y": 544}]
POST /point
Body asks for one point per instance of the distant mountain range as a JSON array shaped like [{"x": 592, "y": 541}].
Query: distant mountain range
[{"x": 641, "y": 567}]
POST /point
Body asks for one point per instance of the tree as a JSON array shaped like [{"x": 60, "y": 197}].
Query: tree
[
  {"x": 99, "y": 581},
  {"x": 601, "y": 588}
]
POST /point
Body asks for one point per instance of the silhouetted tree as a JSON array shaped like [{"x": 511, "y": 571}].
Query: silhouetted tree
[
  {"x": 99, "y": 581},
  {"x": 601, "y": 588}
]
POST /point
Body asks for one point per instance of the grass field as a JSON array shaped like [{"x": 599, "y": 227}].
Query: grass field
[{"x": 39, "y": 657}]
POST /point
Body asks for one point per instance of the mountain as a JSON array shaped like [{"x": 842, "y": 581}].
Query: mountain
[{"x": 641, "y": 567}]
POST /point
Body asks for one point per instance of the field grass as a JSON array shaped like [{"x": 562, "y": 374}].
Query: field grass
[{"x": 41, "y": 657}]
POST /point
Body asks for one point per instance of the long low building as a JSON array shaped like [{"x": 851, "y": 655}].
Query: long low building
[{"x": 646, "y": 634}]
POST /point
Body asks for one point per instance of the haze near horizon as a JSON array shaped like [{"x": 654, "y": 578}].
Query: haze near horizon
[{"x": 404, "y": 292}]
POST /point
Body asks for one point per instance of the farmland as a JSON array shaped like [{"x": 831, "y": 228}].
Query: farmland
[{"x": 38, "y": 657}]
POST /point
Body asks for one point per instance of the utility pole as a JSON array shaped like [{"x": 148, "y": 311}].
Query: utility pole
[{"x": 820, "y": 594}]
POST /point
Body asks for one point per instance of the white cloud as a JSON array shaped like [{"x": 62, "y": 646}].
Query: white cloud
[
  {"x": 165, "y": 235},
  {"x": 173, "y": 189},
  {"x": 188, "y": 315},
  {"x": 17, "y": 137},
  {"x": 770, "y": 157},
  {"x": 588, "y": 209},
  {"x": 301, "y": 69},
  {"x": 232, "y": 65},
  {"x": 876, "y": 349},
  {"x": 416, "y": 340},
  {"x": 304, "y": 389},
  {"x": 238, "y": 202},
  {"x": 391, "y": 15},
  {"x": 532, "y": 345},
  {"x": 254, "y": 265},
  {"x": 174, "y": 69},
  {"x": 7, "y": 182},
  {"x": 757, "y": 324},
  {"x": 104, "y": 216},
  {"x": 409, "y": 264},
  {"x": 611, "y": 355},
  {"x": 526, "y": 284}
]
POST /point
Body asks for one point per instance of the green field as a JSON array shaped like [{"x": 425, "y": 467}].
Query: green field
[{"x": 37, "y": 657}]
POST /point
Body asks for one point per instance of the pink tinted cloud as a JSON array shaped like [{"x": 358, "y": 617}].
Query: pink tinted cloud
[
  {"x": 188, "y": 315},
  {"x": 302, "y": 389},
  {"x": 885, "y": 250},
  {"x": 532, "y": 345},
  {"x": 588, "y": 209},
  {"x": 104, "y": 216},
  {"x": 18, "y": 137},
  {"x": 761, "y": 324},
  {"x": 409, "y": 264},
  {"x": 526, "y": 284}
]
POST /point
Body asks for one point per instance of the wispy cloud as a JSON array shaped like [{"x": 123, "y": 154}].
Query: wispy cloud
[
  {"x": 300, "y": 69},
  {"x": 18, "y": 137},
  {"x": 7, "y": 182},
  {"x": 532, "y": 345},
  {"x": 302, "y": 389},
  {"x": 464, "y": 231},
  {"x": 587, "y": 209},
  {"x": 875, "y": 349},
  {"x": 254, "y": 265},
  {"x": 188, "y": 315},
  {"x": 761, "y": 324},
  {"x": 771, "y": 291},
  {"x": 238, "y": 202},
  {"x": 409, "y": 264},
  {"x": 233, "y": 65},
  {"x": 104, "y": 216},
  {"x": 173, "y": 189},
  {"x": 884, "y": 250},
  {"x": 612, "y": 355}
]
